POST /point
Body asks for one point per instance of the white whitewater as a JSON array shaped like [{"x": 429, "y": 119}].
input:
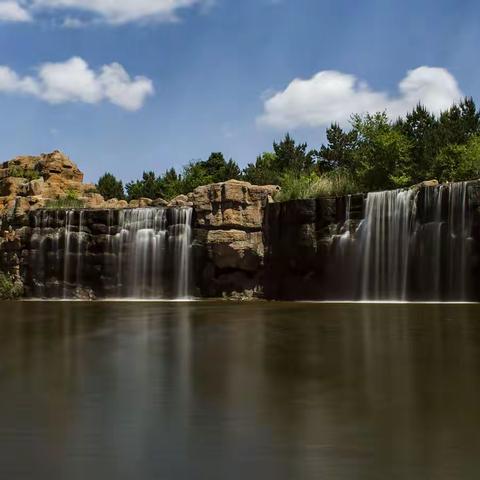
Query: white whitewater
[
  {"x": 415, "y": 245},
  {"x": 151, "y": 248},
  {"x": 153, "y": 252},
  {"x": 385, "y": 243}
]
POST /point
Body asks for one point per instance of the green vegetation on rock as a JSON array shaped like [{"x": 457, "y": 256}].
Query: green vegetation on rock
[
  {"x": 70, "y": 200},
  {"x": 9, "y": 289},
  {"x": 20, "y": 172}
]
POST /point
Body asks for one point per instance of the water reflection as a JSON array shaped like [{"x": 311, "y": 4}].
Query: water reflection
[{"x": 220, "y": 390}]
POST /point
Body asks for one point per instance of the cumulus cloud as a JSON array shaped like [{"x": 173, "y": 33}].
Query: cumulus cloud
[
  {"x": 75, "y": 81},
  {"x": 332, "y": 96},
  {"x": 11, "y": 11},
  {"x": 120, "y": 11}
]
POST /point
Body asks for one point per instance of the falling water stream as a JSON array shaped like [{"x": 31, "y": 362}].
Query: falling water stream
[
  {"x": 415, "y": 244},
  {"x": 150, "y": 247}
]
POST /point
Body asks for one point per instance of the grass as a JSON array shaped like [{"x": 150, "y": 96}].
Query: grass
[
  {"x": 19, "y": 172},
  {"x": 333, "y": 184},
  {"x": 70, "y": 200}
]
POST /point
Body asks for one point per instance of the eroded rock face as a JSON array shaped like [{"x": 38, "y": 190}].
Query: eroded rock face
[
  {"x": 26, "y": 182},
  {"x": 232, "y": 204},
  {"x": 227, "y": 219},
  {"x": 228, "y": 236}
]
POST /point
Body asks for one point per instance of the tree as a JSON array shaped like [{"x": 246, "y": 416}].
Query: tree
[
  {"x": 263, "y": 171},
  {"x": 109, "y": 187},
  {"x": 421, "y": 128},
  {"x": 459, "y": 123},
  {"x": 382, "y": 157},
  {"x": 455, "y": 163},
  {"x": 171, "y": 184},
  {"x": 293, "y": 158},
  {"x": 150, "y": 186},
  {"x": 338, "y": 153},
  {"x": 219, "y": 170},
  {"x": 215, "y": 169}
]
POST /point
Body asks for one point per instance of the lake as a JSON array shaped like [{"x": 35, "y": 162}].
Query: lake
[{"x": 219, "y": 390}]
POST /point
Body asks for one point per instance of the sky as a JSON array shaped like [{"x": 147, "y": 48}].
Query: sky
[{"x": 131, "y": 85}]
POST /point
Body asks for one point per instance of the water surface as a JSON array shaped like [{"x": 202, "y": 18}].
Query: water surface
[{"x": 233, "y": 391}]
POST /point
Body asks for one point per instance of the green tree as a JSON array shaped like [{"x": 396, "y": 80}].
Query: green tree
[
  {"x": 109, "y": 187},
  {"x": 382, "y": 157},
  {"x": 194, "y": 175},
  {"x": 150, "y": 186},
  {"x": 171, "y": 184},
  {"x": 293, "y": 158},
  {"x": 338, "y": 153},
  {"x": 213, "y": 170},
  {"x": 263, "y": 171},
  {"x": 220, "y": 170},
  {"x": 459, "y": 123},
  {"x": 455, "y": 163},
  {"x": 421, "y": 128}
]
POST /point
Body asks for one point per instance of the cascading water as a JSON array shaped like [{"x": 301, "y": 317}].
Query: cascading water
[
  {"x": 415, "y": 245},
  {"x": 57, "y": 251},
  {"x": 134, "y": 253},
  {"x": 153, "y": 251},
  {"x": 385, "y": 243}
]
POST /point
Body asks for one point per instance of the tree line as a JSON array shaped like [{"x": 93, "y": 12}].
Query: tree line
[{"x": 374, "y": 153}]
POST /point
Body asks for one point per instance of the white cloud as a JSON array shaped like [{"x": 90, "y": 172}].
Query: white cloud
[
  {"x": 75, "y": 81},
  {"x": 73, "y": 22},
  {"x": 11, "y": 11},
  {"x": 121, "y": 11},
  {"x": 332, "y": 96}
]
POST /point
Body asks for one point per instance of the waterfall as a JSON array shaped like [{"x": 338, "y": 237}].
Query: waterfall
[
  {"x": 385, "y": 244},
  {"x": 415, "y": 244},
  {"x": 153, "y": 253},
  {"x": 459, "y": 240},
  {"x": 134, "y": 253}
]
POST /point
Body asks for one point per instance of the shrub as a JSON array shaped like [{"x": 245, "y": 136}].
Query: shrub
[
  {"x": 70, "y": 200},
  {"x": 332, "y": 184},
  {"x": 28, "y": 173},
  {"x": 9, "y": 289}
]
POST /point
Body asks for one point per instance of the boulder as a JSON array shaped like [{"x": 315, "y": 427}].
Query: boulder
[
  {"x": 235, "y": 249},
  {"x": 180, "y": 201},
  {"x": 159, "y": 202},
  {"x": 231, "y": 204},
  {"x": 13, "y": 186},
  {"x": 93, "y": 200},
  {"x": 36, "y": 187},
  {"x": 145, "y": 202},
  {"x": 427, "y": 183},
  {"x": 114, "y": 203}
]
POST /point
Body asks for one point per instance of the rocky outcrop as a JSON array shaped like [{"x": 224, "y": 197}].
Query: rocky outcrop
[
  {"x": 28, "y": 182},
  {"x": 228, "y": 237}
]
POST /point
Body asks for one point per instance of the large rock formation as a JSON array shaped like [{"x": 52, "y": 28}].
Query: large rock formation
[
  {"x": 28, "y": 182},
  {"x": 228, "y": 236},
  {"x": 227, "y": 224}
]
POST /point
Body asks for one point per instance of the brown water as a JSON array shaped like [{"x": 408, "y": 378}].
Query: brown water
[{"x": 234, "y": 391}]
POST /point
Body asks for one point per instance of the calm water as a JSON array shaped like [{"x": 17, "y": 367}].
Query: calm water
[{"x": 234, "y": 391}]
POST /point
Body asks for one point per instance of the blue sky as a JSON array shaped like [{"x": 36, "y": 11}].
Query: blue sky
[{"x": 147, "y": 85}]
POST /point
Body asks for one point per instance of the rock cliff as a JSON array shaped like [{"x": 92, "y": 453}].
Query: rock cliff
[
  {"x": 227, "y": 227},
  {"x": 228, "y": 237}
]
